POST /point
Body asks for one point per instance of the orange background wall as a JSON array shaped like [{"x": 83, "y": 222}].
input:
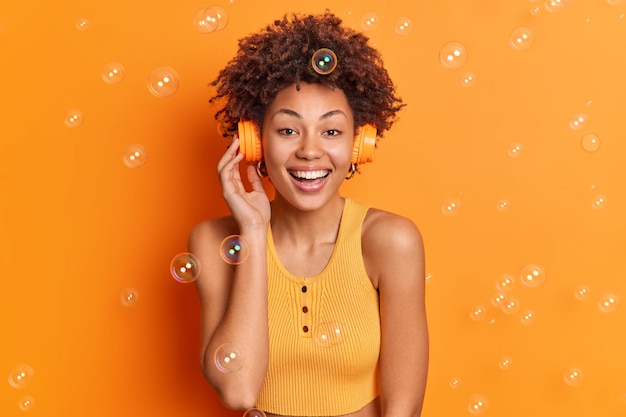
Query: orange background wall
[{"x": 491, "y": 170}]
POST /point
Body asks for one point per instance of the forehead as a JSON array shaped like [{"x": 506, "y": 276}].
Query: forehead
[{"x": 310, "y": 100}]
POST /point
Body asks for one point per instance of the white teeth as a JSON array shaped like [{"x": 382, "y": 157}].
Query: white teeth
[{"x": 309, "y": 175}]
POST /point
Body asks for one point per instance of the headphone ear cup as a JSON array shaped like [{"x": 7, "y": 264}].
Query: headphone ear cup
[
  {"x": 249, "y": 141},
  {"x": 364, "y": 145}
]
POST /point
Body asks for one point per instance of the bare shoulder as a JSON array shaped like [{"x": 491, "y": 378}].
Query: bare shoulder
[
  {"x": 206, "y": 233},
  {"x": 392, "y": 244}
]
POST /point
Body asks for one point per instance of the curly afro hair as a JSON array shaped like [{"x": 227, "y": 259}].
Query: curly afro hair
[{"x": 280, "y": 55}]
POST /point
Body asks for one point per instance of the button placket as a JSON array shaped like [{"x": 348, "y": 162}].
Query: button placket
[{"x": 305, "y": 311}]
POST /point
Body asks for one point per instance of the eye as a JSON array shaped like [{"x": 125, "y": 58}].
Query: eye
[
  {"x": 287, "y": 132},
  {"x": 333, "y": 132}
]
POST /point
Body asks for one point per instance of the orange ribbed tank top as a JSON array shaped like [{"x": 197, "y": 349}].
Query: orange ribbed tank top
[{"x": 324, "y": 331}]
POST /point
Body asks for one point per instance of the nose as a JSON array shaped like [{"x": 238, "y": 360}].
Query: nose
[{"x": 310, "y": 147}]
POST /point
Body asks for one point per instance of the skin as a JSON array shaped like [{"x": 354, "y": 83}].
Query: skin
[{"x": 307, "y": 130}]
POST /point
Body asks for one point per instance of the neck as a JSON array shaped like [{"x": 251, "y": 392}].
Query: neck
[{"x": 309, "y": 227}]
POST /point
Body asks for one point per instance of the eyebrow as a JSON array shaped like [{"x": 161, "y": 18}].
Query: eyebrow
[{"x": 295, "y": 114}]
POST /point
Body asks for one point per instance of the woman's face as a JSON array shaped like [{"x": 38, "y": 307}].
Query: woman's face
[{"x": 308, "y": 136}]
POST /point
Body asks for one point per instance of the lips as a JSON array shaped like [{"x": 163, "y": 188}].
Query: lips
[
  {"x": 310, "y": 181},
  {"x": 309, "y": 175}
]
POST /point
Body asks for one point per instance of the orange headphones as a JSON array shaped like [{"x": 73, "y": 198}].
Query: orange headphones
[{"x": 250, "y": 144}]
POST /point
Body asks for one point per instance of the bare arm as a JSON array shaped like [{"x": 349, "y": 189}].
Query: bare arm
[
  {"x": 395, "y": 255},
  {"x": 234, "y": 297}
]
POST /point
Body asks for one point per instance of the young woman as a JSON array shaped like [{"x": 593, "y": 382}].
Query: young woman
[{"x": 327, "y": 310}]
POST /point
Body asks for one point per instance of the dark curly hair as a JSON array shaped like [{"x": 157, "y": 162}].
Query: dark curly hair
[{"x": 280, "y": 55}]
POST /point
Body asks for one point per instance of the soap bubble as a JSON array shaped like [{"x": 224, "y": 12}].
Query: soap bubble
[
  {"x": 234, "y": 249},
  {"x": 129, "y": 297},
  {"x": 73, "y": 118},
  {"x": 185, "y": 267},
  {"x": 505, "y": 282},
  {"x": 515, "y": 149},
  {"x": 451, "y": 207},
  {"x": 455, "y": 383},
  {"x": 228, "y": 358},
  {"x": 609, "y": 303},
  {"x": 210, "y": 19},
  {"x": 578, "y": 121},
  {"x": 370, "y": 21},
  {"x": 324, "y": 61},
  {"x": 527, "y": 317},
  {"x": 478, "y": 313},
  {"x": 453, "y": 55},
  {"x": 582, "y": 293},
  {"x": 532, "y": 275},
  {"x": 254, "y": 412},
  {"x": 329, "y": 334},
  {"x": 505, "y": 363},
  {"x": 404, "y": 26},
  {"x": 27, "y": 403},
  {"x": 82, "y": 24},
  {"x": 113, "y": 73},
  {"x": 163, "y": 82},
  {"x": 511, "y": 305},
  {"x": 599, "y": 202},
  {"x": 498, "y": 299},
  {"x": 503, "y": 205},
  {"x": 477, "y": 405},
  {"x": 21, "y": 376},
  {"x": 573, "y": 377},
  {"x": 468, "y": 79},
  {"x": 522, "y": 38},
  {"x": 134, "y": 156},
  {"x": 590, "y": 142}
]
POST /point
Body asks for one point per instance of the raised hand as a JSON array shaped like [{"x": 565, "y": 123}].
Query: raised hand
[{"x": 249, "y": 208}]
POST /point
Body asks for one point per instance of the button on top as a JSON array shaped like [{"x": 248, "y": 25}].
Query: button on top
[
  {"x": 305, "y": 329},
  {"x": 304, "y": 288},
  {"x": 305, "y": 309}
]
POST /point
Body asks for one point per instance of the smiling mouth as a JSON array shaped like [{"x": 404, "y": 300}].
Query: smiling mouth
[{"x": 309, "y": 176}]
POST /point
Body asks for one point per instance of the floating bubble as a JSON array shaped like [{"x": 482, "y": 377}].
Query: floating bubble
[
  {"x": 455, "y": 383},
  {"x": 27, "y": 403},
  {"x": 113, "y": 73},
  {"x": 210, "y": 19},
  {"x": 578, "y": 121},
  {"x": 404, "y": 26},
  {"x": 478, "y": 313},
  {"x": 134, "y": 156},
  {"x": 590, "y": 142},
  {"x": 453, "y": 55},
  {"x": 21, "y": 376},
  {"x": 185, "y": 267},
  {"x": 477, "y": 405},
  {"x": 324, "y": 61},
  {"x": 505, "y": 363},
  {"x": 511, "y": 305},
  {"x": 503, "y": 205},
  {"x": 599, "y": 202},
  {"x": 163, "y": 82},
  {"x": 82, "y": 24},
  {"x": 451, "y": 207},
  {"x": 129, "y": 297},
  {"x": 73, "y": 118},
  {"x": 528, "y": 317},
  {"x": 573, "y": 377},
  {"x": 516, "y": 150},
  {"x": 582, "y": 293},
  {"x": 234, "y": 250},
  {"x": 532, "y": 275},
  {"x": 227, "y": 358},
  {"x": 505, "y": 282},
  {"x": 535, "y": 10},
  {"x": 498, "y": 299},
  {"x": 370, "y": 21},
  {"x": 329, "y": 334},
  {"x": 556, "y": 5},
  {"x": 609, "y": 303},
  {"x": 522, "y": 38},
  {"x": 254, "y": 412},
  {"x": 468, "y": 79}
]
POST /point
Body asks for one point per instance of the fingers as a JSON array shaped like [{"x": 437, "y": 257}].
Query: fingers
[
  {"x": 254, "y": 179},
  {"x": 230, "y": 154}
]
